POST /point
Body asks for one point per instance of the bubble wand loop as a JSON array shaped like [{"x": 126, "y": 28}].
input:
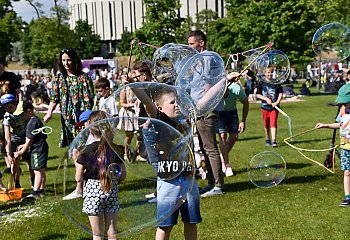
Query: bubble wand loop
[
  {"x": 311, "y": 150},
  {"x": 42, "y": 130},
  {"x": 268, "y": 46}
]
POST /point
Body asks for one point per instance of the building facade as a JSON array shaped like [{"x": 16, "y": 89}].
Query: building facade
[{"x": 109, "y": 18}]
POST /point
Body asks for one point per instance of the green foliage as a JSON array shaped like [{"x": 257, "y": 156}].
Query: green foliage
[
  {"x": 10, "y": 29},
  {"x": 288, "y": 24},
  {"x": 44, "y": 41},
  {"x": 124, "y": 44},
  {"x": 204, "y": 18},
  {"x": 161, "y": 25},
  {"x": 86, "y": 42}
]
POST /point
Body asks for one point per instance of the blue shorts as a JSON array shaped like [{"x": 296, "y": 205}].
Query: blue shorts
[
  {"x": 169, "y": 194},
  {"x": 345, "y": 159},
  {"x": 228, "y": 122}
]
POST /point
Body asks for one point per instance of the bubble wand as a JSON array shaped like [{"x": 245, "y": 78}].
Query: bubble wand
[
  {"x": 235, "y": 76},
  {"x": 312, "y": 150}
]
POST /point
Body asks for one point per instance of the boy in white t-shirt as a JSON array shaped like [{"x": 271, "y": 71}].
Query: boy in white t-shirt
[{"x": 107, "y": 102}]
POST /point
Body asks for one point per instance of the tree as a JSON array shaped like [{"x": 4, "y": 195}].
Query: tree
[
  {"x": 204, "y": 18},
  {"x": 10, "y": 29},
  {"x": 124, "y": 44},
  {"x": 86, "y": 43},
  {"x": 43, "y": 40},
  {"x": 161, "y": 23},
  {"x": 37, "y": 7},
  {"x": 290, "y": 25}
]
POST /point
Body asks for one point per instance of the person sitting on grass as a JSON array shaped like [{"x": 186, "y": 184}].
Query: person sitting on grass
[
  {"x": 343, "y": 123},
  {"x": 39, "y": 149}
]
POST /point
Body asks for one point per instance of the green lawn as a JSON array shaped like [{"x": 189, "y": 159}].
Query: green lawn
[{"x": 303, "y": 206}]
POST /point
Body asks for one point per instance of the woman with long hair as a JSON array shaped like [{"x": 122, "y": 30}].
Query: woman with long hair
[{"x": 73, "y": 90}]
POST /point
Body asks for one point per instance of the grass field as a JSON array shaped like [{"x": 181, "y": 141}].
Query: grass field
[{"x": 303, "y": 206}]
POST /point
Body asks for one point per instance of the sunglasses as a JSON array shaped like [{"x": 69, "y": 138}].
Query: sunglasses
[{"x": 67, "y": 50}]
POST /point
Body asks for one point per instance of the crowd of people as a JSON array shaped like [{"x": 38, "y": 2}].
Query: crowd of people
[{"x": 83, "y": 99}]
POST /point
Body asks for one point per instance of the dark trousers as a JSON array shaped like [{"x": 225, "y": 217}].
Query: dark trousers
[{"x": 206, "y": 127}]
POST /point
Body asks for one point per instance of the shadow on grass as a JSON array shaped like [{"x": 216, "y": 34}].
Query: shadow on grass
[
  {"x": 249, "y": 138},
  {"x": 294, "y": 142},
  {"x": 298, "y": 165},
  {"x": 242, "y": 186},
  {"x": 55, "y": 236},
  {"x": 304, "y": 179}
]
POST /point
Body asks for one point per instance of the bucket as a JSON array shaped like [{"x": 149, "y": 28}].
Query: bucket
[{"x": 11, "y": 194}]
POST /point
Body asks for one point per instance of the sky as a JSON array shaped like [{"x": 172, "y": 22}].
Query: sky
[{"x": 27, "y": 12}]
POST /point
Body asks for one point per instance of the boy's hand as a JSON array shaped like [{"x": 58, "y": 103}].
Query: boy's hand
[
  {"x": 47, "y": 117},
  {"x": 319, "y": 125},
  {"x": 233, "y": 77}
]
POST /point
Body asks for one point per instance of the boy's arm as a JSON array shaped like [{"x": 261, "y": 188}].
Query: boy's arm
[
  {"x": 261, "y": 97},
  {"x": 24, "y": 147},
  {"x": 150, "y": 107},
  {"x": 7, "y": 139},
  {"x": 245, "y": 111},
  {"x": 328, "y": 125}
]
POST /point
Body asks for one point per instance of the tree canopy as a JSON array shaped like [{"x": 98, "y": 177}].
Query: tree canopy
[{"x": 10, "y": 29}]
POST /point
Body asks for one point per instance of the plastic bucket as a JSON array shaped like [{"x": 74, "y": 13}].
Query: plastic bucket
[{"x": 11, "y": 194}]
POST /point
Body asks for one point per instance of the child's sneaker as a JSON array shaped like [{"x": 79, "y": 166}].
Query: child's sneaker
[
  {"x": 268, "y": 142},
  {"x": 73, "y": 195},
  {"x": 345, "y": 203},
  {"x": 213, "y": 192},
  {"x": 205, "y": 189},
  {"x": 274, "y": 144},
  {"x": 151, "y": 195},
  {"x": 229, "y": 172}
]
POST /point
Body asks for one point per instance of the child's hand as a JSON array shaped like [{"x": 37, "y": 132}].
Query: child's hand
[
  {"x": 319, "y": 125},
  {"x": 20, "y": 147},
  {"x": 17, "y": 154}
]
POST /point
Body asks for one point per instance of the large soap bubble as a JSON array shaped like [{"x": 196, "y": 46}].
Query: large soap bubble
[
  {"x": 135, "y": 214},
  {"x": 332, "y": 41},
  {"x": 267, "y": 169},
  {"x": 204, "y": 78},
  {"x": 169, "y": 59},
  {"x": 273, "y": 67}
]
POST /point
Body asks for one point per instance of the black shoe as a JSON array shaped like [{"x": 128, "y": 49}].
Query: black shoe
[
  {"x": 274, "y": 144},
  {"x": 267, "y": 142},
  {"x": 345, "y": 203}
]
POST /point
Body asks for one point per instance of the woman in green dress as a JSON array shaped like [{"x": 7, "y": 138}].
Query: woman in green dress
[{"x": 73, "y": 90}]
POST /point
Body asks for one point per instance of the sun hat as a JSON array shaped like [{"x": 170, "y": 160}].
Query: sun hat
[
  {"x": 6, "y": 98},
  {"x": 23, "y": 106},
  {"x": 343, "y": 94}
]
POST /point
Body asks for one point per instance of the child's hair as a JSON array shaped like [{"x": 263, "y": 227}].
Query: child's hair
[
  {"x": 103, "y": 83},
  {"x": 104, "y": 152},
  {"x": 158, "y": 95},
  {"x": 27, "y": 106}
]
